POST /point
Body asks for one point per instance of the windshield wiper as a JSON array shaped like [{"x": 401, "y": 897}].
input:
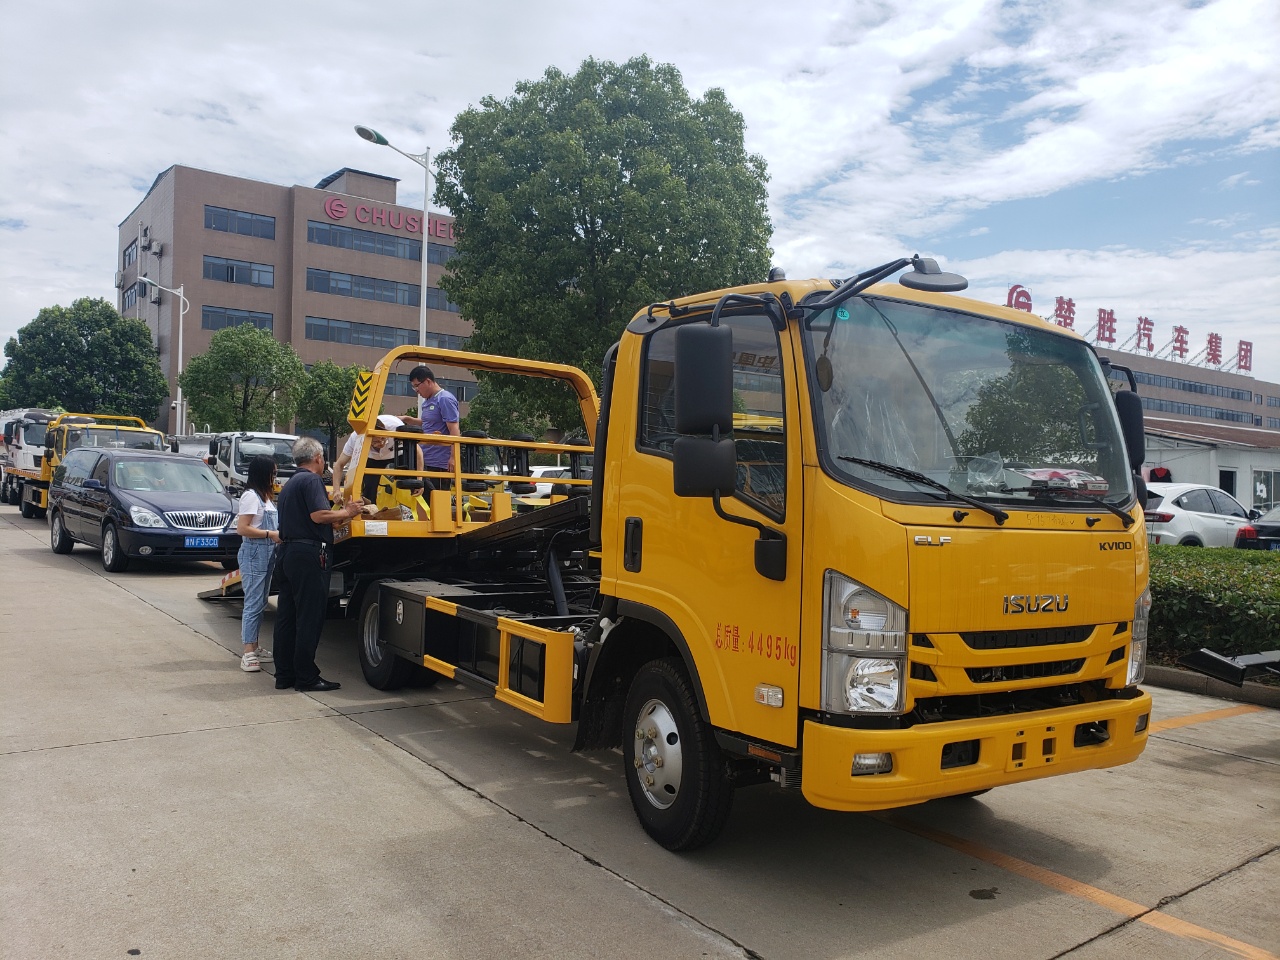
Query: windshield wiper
[
  {"x": 916, "y": 477},
  {"x": 1066, "y": 493}
]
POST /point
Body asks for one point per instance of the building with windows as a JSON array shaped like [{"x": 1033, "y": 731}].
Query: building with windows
[
  {"x": 1206, "y": 425},
  {"x": 334, "y": 270}
]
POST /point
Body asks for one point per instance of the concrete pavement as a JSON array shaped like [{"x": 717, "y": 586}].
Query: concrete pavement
[{"x": 157, "y": 799}]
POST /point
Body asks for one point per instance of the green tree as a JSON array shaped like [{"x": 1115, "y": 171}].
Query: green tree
[
  {"x": 583, "y": 197},
  {"x": 85, "y": 358},
  {"x": 246, "y": 380},
  {"x": 325, "y": 399}
]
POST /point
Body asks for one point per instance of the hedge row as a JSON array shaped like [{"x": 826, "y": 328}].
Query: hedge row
[{"x": 1225, "y": 599}]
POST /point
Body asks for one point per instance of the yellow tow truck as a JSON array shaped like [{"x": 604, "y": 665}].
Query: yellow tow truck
[
  {"x": 868, "y": 540},
  {"x": 58, "y": 433}
]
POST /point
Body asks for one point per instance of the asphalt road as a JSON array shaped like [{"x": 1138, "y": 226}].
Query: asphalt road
[{"x": 159, "y": 802}]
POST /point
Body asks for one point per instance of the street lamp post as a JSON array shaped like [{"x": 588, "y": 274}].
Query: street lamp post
[
  {"x": 423, "y": 160},
  {"x": 183, "y": 307}
]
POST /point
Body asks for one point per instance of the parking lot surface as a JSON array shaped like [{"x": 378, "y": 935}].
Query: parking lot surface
[{"x": 159, "y": 802}]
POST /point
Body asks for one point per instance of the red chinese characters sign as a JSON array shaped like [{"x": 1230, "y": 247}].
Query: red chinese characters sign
[{"x": 336, "y": 208}]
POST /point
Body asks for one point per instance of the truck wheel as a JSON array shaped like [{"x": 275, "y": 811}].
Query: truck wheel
[
  {"x": 59, "y": 539},
  {"x": 382, "y": 669},
  {"x": 27, "y": 509},
  {"x": 673, "y": 765},
  {"x": 114, "y": 559}
]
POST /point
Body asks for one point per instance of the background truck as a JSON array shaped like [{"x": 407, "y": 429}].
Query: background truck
[
  {"x": 24, "y": 431},
  {"x": 230, "y": 453},
  {"x": 41, "y": 438},
  {"x": 822, "y": 545}
]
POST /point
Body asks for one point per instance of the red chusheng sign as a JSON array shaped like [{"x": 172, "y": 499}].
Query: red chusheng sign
[{"x": 335, "y": 208}]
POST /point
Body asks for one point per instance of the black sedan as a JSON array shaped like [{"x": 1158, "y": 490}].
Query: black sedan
[
  {"x": 137, "y": 503},
  {"x": 1262, "y": 533}
]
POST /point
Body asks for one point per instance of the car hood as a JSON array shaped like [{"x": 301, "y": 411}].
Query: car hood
[{"x": 162, "y": 502}]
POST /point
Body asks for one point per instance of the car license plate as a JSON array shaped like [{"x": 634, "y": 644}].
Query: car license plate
[
  {"x": 199, "y": 542},
  {"x": 1274, "y": 545}
]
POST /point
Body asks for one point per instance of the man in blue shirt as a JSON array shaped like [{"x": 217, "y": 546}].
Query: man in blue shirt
[{"x": 437, "y": 413}]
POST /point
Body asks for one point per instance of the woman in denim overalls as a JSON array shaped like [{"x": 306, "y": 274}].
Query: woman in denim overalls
[{"x": 257, "y": 525}]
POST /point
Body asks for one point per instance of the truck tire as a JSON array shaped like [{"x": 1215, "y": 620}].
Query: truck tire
[
  {"x": 673, "y": 765},
  {"x": 27, "y": 509},
  {"x": 114, "y": 559},
  {"x": 59, "y": 539},
  {"x": 383, "y": 669}
]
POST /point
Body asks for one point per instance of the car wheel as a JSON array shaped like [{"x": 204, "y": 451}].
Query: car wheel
[
  {"x": 383, "y": 669},
  {"x": 59, "y": 539},
  {"x": 1190, "y": 542},
  {"x": 672, "y": 762},
  {"x": 113, "y": 556},
  {"x": 232, "y": 564}
]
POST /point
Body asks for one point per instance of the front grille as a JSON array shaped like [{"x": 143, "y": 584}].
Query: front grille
[
  {"x": 1010, "y": 639},
  {"x": 1024, "y": 671},
  {"x": 198, "y": 519},
  {"x": 39, "y": 462}
]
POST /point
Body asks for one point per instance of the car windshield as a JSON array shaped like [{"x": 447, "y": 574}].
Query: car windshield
[
  {"x": 112, "y": 437},
  {"x": 280, "y": 449},
  {"x": 168, "y": 476},
  {"x": 987, "y": 408}
]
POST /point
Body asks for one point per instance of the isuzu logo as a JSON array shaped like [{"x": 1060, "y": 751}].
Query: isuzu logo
[{"x": 1035, "y": 603}]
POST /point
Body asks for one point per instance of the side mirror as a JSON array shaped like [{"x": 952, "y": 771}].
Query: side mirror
[
  {"x": 1255, "y": 513},
  {"x": 92, "y": 484},
  {"x": 213, "y": 449},
  {"x": 701, "y": 466},
  {"x": 1129, "y": 407},
  {"x": 704, "y": 459}
]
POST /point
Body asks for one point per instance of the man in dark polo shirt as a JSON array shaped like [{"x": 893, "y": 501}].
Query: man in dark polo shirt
[{"x": 306, "y": 534}]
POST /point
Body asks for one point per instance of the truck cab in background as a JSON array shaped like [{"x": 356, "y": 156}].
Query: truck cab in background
[{"x": 230, "y": 453}]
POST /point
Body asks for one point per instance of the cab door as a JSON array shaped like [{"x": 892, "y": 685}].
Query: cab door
[{"x": 681, "y": 561}]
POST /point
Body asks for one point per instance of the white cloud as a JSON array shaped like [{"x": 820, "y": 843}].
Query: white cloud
[{"x": 1024, "y": 100}]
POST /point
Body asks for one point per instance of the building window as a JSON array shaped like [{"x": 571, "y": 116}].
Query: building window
[
  {"x": 131, "y": 254},
  {"x": 436, "y": 300},
  {"x": 464, "y": 390},
  {"x": 362, "y": 288},
  {"x": 1273, "y": 401},
  {"x": 129, "y": 300},
  {"x": 1188, "y": 386},
  {"x": 364, "y": 241},
  {"x": 217, "y": 318},
  {"x": 439, "y": 252},
  {"x": 1273, "y": 423},
  {"x": 237, "y": 221},
  {"x": 239, "y": 271},
  {"x": 1196, "y": 410},
  {"x": 359, "y": 334}
]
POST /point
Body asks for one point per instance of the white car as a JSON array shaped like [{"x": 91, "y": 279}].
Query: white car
[
  {"x": 545, "y": 477},
  {"x": 1193, "y": 515}
]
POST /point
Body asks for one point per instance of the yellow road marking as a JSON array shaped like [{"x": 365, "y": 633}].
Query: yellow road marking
[
  {"x": 1056, "y": 881},
  {"x": 1174, "y": 722}
]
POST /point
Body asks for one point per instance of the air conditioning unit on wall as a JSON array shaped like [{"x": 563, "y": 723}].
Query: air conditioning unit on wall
[
  {"x": 157, "y": 248},
  {"x": 155, "y": 294}
]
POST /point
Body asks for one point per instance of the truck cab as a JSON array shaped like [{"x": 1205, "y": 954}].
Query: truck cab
[{"x": 230, "y": 453}]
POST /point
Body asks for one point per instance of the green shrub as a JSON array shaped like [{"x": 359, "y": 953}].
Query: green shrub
[{"x": 1225, "y": 599}]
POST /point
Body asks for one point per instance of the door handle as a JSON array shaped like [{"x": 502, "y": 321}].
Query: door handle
[{"x": 633, "y": 545}]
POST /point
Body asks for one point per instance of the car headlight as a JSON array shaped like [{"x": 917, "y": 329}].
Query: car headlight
[
  {"x": 1138, "y": 641},
  {"x": 864, "y": 649},
  {"x": 145, "y": 518}
]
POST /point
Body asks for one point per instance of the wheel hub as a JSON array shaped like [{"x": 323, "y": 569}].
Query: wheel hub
[
  {"x": 372, "y": 648},
  {"x": 659, "y": 758}
]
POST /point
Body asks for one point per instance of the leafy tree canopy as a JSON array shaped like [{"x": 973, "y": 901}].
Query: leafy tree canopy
[
  {"x": 85, "y": 358},
  {"x": 583, "y": 197},
  {"x": 325, "y": 399},
  {"x": 246, "y": 380}
]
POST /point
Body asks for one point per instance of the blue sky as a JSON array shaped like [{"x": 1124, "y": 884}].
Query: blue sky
[{"x": 1124, "y": 153}]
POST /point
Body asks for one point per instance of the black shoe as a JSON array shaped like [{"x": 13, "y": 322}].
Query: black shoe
[
  {"x": 318, "y": 685},
  {"x": 283, "y": 684}
]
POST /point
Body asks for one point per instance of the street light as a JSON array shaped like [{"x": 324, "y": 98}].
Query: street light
[
  {"x": 182, "y": 312},
  {"x": 423, "y": 160}
]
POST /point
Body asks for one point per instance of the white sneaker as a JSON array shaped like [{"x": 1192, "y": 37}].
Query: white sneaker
[
  {"x": 264, "y": 655},
  {"x": 249, "y": 662}
]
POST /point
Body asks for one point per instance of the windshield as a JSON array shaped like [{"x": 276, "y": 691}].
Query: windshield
[
  {"x": 987, "y": 408},
  {"x": 33, "y": 434},
  {"x": 278, "y": 449},
  {"x": 112, "y": 437},
  {"x": 169, "y": 476}
]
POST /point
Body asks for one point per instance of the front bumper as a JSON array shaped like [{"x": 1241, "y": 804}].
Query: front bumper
[
  {"x": 1011, "y": 749},
  {"x": 168, "y": 544}
]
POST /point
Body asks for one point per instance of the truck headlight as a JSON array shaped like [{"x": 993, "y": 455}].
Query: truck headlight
[
  {"x": 145, "y": 518},
  {"x": 864, "y": 649},
  {"x": 1138, "y": 641}
]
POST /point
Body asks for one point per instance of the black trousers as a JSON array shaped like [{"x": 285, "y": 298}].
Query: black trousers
[{"x": 301, "y": 606}]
